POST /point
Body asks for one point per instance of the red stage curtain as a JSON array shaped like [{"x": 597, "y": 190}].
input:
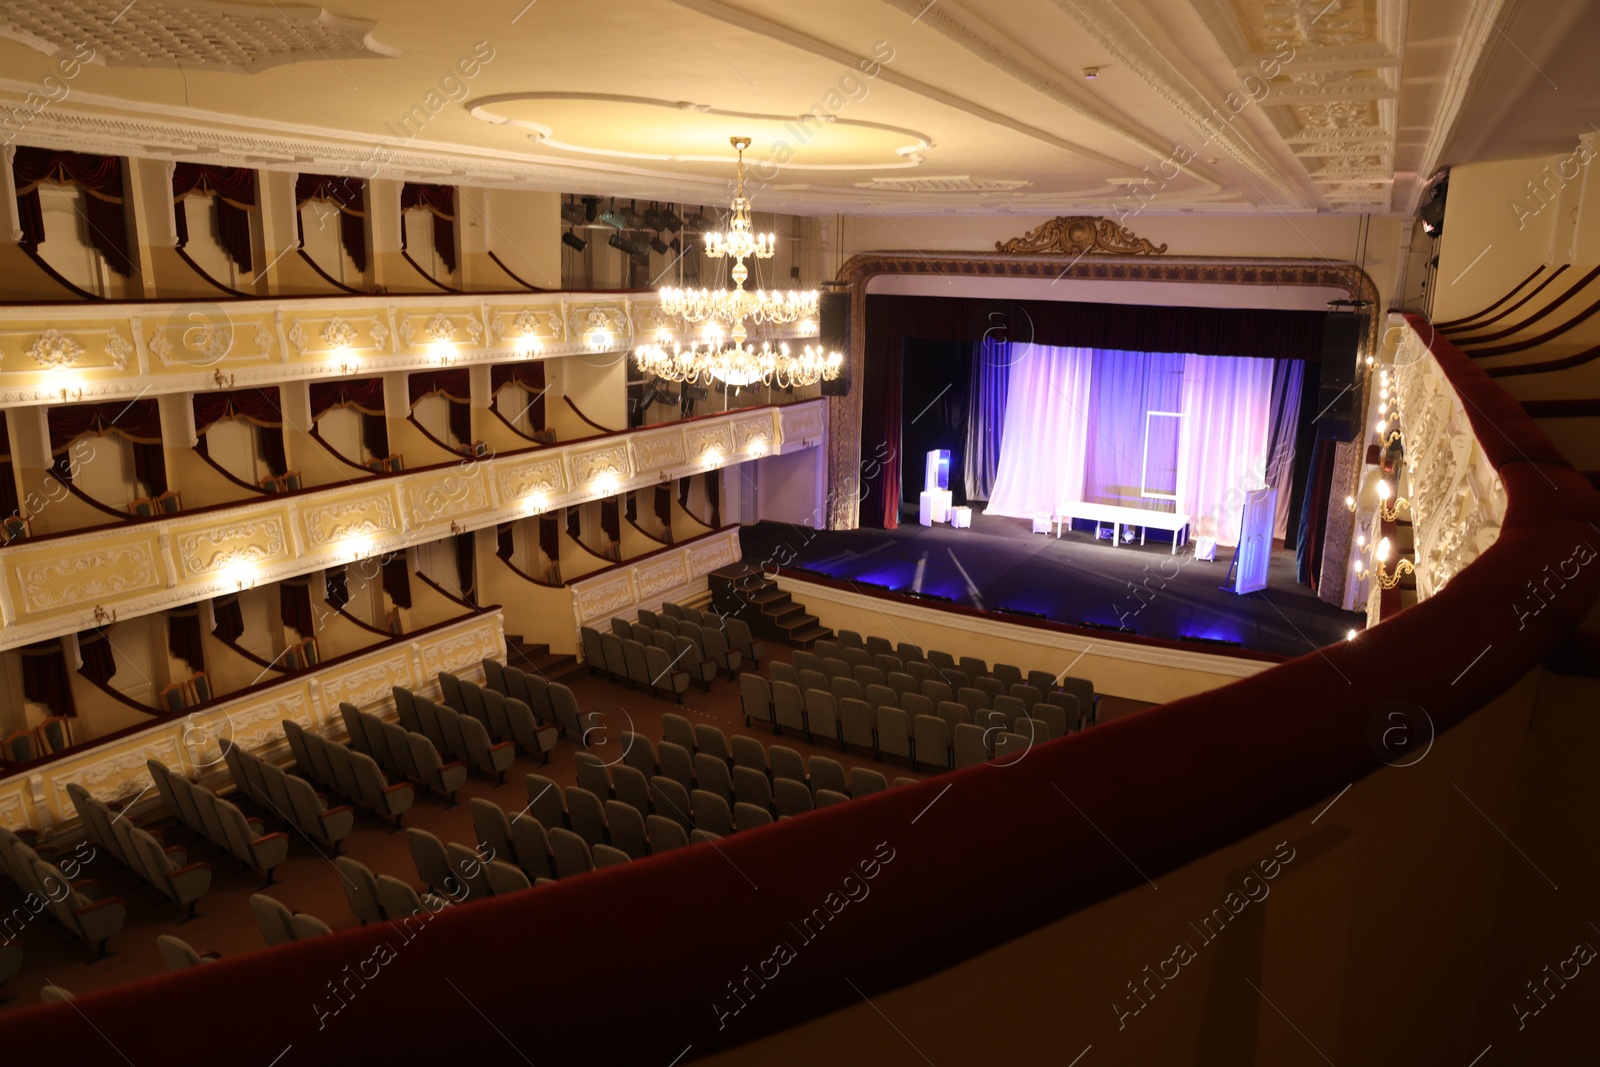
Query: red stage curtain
[
  {"x": 528, "y": 375},
  {"x": 229, "y": 625},
  {"x": 235, "y": 192},
  {"x": 397, "y": 579},
  {"x": 683, "y": 492},
  {"x": 440, "y": 200},
  {"x": 44, "y": 677},
  {"x": 881, "y": 393},
  {"x": 337, "y": 582},
  {"x": 294, "y": 605},
  {"x": 99, "y": 664},
  {"x": 574, "y": 523},
  {"x": 467, "y": 566},
  {"x": 183, "y": 636},
  {"x": 363, "y": 394},
  {"x": 505, "y": 545},
  {"x": 664, "y": 505},
  {"x": 630, "y": 507},
  {"x": 99, "y": 176},
  {"x": 348, "y": 194}
]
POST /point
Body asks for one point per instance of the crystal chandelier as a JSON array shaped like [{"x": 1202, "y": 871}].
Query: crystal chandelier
[{"x": 727, "y": 310}]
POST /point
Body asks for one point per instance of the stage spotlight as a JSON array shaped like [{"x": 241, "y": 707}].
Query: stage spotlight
[
  {"x": 573, "y": 241},
  {"x": 631, "y": 215},
  {"x": 653, "y": 219},
  {"x": 614, "y": 218},
  {"x": 572, "y": 213},
  {"x": 634, "y": 245},
  {"x": 698, "y": 222},
  {"x": 676, "y": 245},
  {"x": 661, "y": 247},
  {"x": 591, "y": 207},
  {"x": 670, "y": 220}
]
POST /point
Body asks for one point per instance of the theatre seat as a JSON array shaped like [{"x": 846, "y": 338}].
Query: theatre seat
[
  {"x": 360, "y": 889},
  {"x": 178, "y": 954},
  {"x": 665, "y": 834},
  {"x": 625, "y": 829},
  {"x": 791, "y": 797}
]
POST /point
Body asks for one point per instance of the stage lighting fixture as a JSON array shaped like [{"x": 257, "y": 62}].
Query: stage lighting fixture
[
  {"x": 635, "y": 245},
  {"x": 1087, "y": 625},
  {"x": 614, "y": 218},
  {"x": 591, "y": 207},
  {"x": 1020, "y": 611},
  {"x": 654, "y": 219},
  {"x": 572, "y": 213},
  {"x": 676, "y": 245},
  {"x": 1196, "y": 639},
  {"x": 573, "y": 241},
  {"x": 661, "y": 247},
  {"x": 1432, "y": 213},
  {"x": 631, "y": 215},
  {"x": 698, "y": 222},
  {"x": 670, "y": 220}
]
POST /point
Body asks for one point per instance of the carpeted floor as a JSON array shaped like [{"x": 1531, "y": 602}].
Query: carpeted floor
[
  {"x": 1000, "y": 563},
  {"x": 309, "y": 882}
]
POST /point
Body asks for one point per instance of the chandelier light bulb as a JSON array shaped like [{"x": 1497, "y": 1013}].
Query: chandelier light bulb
[
  {"x": 1384, "y": 491},
  {"x": 1383, "y": 551},
  {"x": 1382, "y": 425}
]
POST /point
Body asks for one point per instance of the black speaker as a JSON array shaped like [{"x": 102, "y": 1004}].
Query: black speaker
[
  {"x": 1341, "y": 344},
  {"x": 833, "y": 315}
]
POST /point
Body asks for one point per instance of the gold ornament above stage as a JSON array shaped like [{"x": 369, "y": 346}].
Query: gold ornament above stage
[{"x": 1076, "y": 235}]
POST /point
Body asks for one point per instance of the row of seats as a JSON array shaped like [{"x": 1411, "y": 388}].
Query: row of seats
[
  {"x": 509, "y": 720},
  {"x": 849, "y": 646},
  {"x": 166, "y": 868},
  {"x": 839, "y": 678},
  {"x": 645, "y": 818},
  {"x": 665, "y": 668},
  {"x": 460, "y": 873},
  {"x": 220, "y": 821},
  {"x": 737, "y": 630},
  {"x": 90, "y": 919},
  {"x": 707, "y": 646},
  {"x": 294, "y": 799},
  {"x": 380, "y": 898},
  {"x": 279, "y": 925},
  {"x": 551, "y": 702},
  {"x": 911, "y": 729},
  {"x": 402, "y": 750},
  {"x": 354, "y": 775},
  {"x": 454, "y": 733}
]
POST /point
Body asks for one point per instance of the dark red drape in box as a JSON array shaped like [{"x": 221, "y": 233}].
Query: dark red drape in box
[
  {"x": 505, "y": 544},
  {"x": 99, "y": 663},
  {"x": 183, "y": 636},
  {"x": 881, "y": 392},
  {"x": 139, "y": 421},
  {"x": 9, "y": 504},
  {"x": 630, "y": 508},
  {"x": 467, "y": 566},
  {"x": 294, "y": 605},
  {"x": 550, "y": 538},
  {"x": 664, "y": 505},
  {"x": 260, "y": 407},
  {"x": 528, "y": 375},
  {"x": 574, "y": 523},
  {"x": 229, "y": 618},
  {"x": 440, "y": 200},
  {"x": 44, "y": 677},
  {"x": 456, "y": 387},
  {"x": 397, "y": 579},
  {"x": 348, "y": 194},
  {"x": 338, "y": 587},
  {"x": 235, "y": 192},
  {"x": 714, "y": 496},
  {"x": 98, "y": 176},
  {"x": 610, "y": 520},
  {"x": 683, "y": 492},
  {"x": 366, "y": 396}
]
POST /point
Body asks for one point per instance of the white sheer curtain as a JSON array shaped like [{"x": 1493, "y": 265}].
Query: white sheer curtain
[
  {"x": 1046, "y": 431},
  {"x": 1222, "y": 452}
]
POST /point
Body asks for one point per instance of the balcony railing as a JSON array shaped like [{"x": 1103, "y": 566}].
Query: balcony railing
[
  {"x": 62, "y": 353},
  {"x": 50, "y": 587},
  {"x": 192, "y": 744}
]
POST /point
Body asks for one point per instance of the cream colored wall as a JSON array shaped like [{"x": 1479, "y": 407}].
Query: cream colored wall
[{"x": 521, "y": 227}]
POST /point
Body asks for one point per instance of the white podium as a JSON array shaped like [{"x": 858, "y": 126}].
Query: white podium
[
  {"x": 934, "y": 506},
  {"x": 961, "y": 518}
]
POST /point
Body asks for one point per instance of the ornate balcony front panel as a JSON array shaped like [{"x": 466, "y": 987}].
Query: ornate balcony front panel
[
  {"x": 52, "y": 586},
  {"x": 193, "y": 745}
]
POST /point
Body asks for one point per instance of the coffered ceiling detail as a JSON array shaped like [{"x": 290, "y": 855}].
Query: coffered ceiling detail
[{"x": 1028, "y": 107}]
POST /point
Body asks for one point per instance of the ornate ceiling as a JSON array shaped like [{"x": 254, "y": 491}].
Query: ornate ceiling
[{"x": 856, "y": 106}]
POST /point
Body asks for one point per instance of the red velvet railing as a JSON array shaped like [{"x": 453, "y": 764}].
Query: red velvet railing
[{"x": 909, "y": 881}]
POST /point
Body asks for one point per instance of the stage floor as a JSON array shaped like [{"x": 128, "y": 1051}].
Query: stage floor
[{"x": 1000, "y": 563}]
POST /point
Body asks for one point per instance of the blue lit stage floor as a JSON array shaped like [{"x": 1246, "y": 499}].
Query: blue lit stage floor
[{"x": 1000, "y": 563}]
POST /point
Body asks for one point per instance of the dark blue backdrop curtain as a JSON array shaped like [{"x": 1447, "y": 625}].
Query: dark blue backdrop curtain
[
  {"x": 1124, "y": 386},
  {"x": 937, "y": 377},
  {"x": 986, "y": 416},
  {"x": 1287, "y": 378}
]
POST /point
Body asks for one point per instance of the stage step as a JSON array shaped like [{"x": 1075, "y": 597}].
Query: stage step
[
  {"x": 743, "y": 590},
  {"x": 538, "y": 659}
]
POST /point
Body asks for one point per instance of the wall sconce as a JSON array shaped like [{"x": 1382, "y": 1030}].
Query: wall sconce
[
  {"x": 71, "y": 394},
  {"x": 223, "y": 382},
  {"x": 1402, "y": 566},
  {"x": 1350, "y": 504},
  {"x": 1386, "y": 509},
  {"x": 102, "y": 616},
  {"x": 457, "y": 528}
]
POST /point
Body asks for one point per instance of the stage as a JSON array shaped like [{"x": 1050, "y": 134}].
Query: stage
[{"x": 1000, "y": 563}]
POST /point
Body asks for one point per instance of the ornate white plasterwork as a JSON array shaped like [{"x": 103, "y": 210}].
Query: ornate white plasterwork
[
  {"x": 192, "y": 34},
  {"x": 54, "y": 350},
  {"x": 365, "y": 517},
  {"x": 257, "y": 541},
  {"x": 87, "y": 577}
]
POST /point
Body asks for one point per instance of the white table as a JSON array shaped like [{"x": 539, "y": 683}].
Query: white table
[{"x": 1117, "y": 515}]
